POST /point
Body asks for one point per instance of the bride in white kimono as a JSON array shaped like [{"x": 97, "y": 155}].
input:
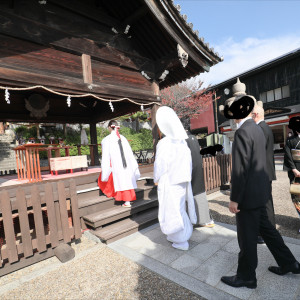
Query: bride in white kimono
[{"x": 172, "y": 172}]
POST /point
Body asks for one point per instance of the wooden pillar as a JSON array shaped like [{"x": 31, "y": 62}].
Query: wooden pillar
[
  {"x": 154, "y": 126},
  {"x": 2, "y": 130},
  {"x": 155, "y": 89},
  {"x": 284, "y": 127},
  {"x": 93, "y": 133}
]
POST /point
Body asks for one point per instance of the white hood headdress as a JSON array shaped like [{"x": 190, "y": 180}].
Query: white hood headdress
[{"x": 169, "y": 123}]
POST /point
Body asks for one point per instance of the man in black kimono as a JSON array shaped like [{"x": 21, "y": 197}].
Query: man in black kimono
[
  {"x": 250, "y": 190},
  {"x": 258, "y": 117},
  {"x": 198, "y": 187}
]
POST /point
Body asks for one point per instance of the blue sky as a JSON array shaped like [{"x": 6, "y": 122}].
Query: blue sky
[{"x": 245, "y": 33}]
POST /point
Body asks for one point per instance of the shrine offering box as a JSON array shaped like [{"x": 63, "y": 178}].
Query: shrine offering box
[
  {"x": 60, "y": 163},
  {"x": 79, "y": 161}
]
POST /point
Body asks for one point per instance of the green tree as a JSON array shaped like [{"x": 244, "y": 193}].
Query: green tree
[{"x": 139, "y": 117}]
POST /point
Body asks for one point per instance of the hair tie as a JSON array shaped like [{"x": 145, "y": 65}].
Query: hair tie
[{"x": 117, "y": 132}]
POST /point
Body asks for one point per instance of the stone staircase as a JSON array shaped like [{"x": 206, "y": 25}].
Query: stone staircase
[{"x": 108, "y": 219}]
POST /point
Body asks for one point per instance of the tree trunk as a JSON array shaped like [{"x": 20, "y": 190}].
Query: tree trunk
[
  {"x": 65, "y": 130},
  {"x": 38, "y": 130},
  {"x": 137, "y": 125}
]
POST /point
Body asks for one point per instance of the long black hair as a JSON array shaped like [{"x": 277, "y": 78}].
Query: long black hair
[{"x": 113, "y": 124}]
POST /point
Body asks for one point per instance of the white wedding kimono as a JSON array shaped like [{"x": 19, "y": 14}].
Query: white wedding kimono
[
  {"x": 124, "y": 178},
  {"x": 172, "y": 171}
]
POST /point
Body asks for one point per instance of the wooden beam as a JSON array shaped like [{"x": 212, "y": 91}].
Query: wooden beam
[
  {"x": 166, "y": 63},
  {"x": 16, "y": 26},
  {"x": 93, "y": 13},
  {"x": 10, "y": 77},
  {"x": 12, "y": 117},
  {"x": 87, "y": 68},
  {"x": 155, "y": 88},
  {"x": 135, "y": 16}
]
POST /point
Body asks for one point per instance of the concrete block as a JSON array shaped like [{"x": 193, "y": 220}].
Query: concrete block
[
  {"x": 216, "y": 266},
  {"x": 64, "y": 252}
]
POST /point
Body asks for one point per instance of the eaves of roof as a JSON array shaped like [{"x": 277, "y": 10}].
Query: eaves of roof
[
  {"x": 192, "y": 35},
  {"x": 259, "y": 68},
  {"x": 288, "y": 110}
]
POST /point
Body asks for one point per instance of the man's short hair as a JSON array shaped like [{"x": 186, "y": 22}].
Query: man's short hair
[{"x": 258, "y": 109}]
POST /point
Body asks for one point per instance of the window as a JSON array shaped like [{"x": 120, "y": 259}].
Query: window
[
  {"x": 276, "y": 94},
  {"x": 263, "y": 97},
  {"x": 270, "y": 96},
  {"x": 286, "y": 91}
]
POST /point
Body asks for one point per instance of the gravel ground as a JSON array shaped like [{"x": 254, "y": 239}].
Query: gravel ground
[
  {"x": 100, "y": 274},
  {"x": 97, "y": 272},
  {"x": 287, "y": 220}
]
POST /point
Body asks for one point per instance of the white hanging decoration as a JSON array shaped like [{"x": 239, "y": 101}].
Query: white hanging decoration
[
  {"x": 111, "y": 106},
  {"x": 115, "y": 30},
  {"x": 142, "y": 107},
  {"x": 127, "y": 29},
  {"x": 7, "y": 96},
  {"x": 69, "y": 101},
  {"x": 67, "y": 95},
  {"x": 164, "y": 75},
  {"x": 145, "y": 75}
]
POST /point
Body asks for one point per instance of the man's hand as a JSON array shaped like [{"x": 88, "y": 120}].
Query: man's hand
[
  {"x": 296, "y": 173},
  {"x": 233, "y": 207}
]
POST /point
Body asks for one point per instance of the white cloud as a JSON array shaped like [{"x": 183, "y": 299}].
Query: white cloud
[{"x": 246, "y": 55}]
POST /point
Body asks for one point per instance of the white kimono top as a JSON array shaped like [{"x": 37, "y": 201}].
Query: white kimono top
[
  {"x": 124, "y": 178},
  {"x": 172, "y": 168}
]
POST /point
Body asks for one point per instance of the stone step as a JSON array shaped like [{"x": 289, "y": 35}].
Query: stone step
[
  {"x": 118, "y": 230},
  {"x": 118, "y": 212},
  {"x": 92, "y": 200}
]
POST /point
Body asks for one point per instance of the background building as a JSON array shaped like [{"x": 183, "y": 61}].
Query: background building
[{"x": 277, "y": 84}]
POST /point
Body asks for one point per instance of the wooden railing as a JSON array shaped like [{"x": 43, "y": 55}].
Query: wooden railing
[
  {"x": 217, "y": 171},
  {"x": 144, "y": 156},
  {"x": 31, "y": 226}
]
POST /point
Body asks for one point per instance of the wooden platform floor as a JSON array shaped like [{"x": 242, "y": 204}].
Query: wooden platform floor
[{"x": 10, "y": 180}]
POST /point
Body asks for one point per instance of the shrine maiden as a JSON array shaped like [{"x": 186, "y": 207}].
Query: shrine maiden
[
  {"x": 119, "y": 168},
  {"x": 172, "y": 172}
]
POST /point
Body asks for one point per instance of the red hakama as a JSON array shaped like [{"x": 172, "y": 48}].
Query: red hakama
[{"x": 107, "y": 187}]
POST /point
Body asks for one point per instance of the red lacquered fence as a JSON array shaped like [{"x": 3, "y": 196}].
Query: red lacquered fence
[
  {"x": 28, "y": 158},
  {"x": 28, "y": 162}
]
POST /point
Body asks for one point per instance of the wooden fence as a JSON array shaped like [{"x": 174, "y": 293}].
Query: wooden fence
[
  {"x": 217, "y": 171},
  {"x": 32, "y": 225}
]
